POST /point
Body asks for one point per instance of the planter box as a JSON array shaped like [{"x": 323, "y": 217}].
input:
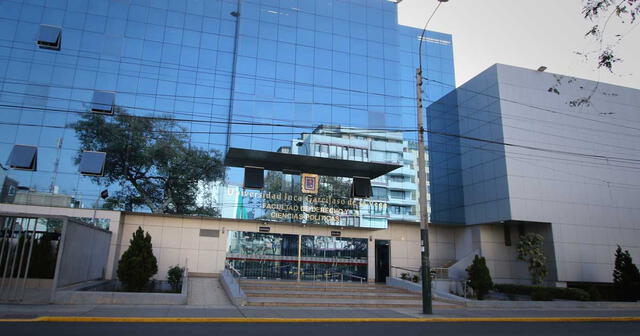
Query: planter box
[{"x": 86, "y": 294}]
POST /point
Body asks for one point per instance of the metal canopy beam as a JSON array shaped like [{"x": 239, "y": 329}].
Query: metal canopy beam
[{"x": 241, "y": 157}]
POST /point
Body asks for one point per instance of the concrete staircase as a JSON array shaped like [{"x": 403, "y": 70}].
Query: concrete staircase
[{"x": 328, "y": 294}]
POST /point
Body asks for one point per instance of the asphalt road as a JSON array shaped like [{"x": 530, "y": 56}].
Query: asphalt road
[{"x": 322, "y": 329}]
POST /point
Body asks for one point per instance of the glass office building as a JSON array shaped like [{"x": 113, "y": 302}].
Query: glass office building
[
  {"x": 210, "y": 74},
  {"x": 145, "y": 98}
]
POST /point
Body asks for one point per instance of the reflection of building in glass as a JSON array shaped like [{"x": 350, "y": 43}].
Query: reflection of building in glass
[
  {"x": 32, "y": 197},
  {"x": 8, "y": 186},
  {"x": 398, "y": 189}
]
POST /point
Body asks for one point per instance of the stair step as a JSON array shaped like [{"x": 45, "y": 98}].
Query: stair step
[
  {"x": 322, "y": 289},
  {"x": 332, "y": 304},
  {"x": 287, "y": 293},
  {"x": 316, "y": 302},
  {"x": 297, "y": 302},
  {"x": 332, "y": 296},
  {"x": 310, "y": 283}
]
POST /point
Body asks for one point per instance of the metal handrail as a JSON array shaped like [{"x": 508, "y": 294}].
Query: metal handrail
[
  {"x": 440, "y": 273},
  {"x": 405, "y": 269},
  {"x": 358, "y": 277},
  {"x": 232, "y": 269}
]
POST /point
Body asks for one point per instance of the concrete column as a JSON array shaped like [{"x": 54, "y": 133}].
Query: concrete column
[
  {"x": 371, "y": 260},
  {"x": 299, "y": 254}
]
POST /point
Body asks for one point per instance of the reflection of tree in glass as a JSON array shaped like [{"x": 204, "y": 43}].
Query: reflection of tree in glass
[
  {"x": 152, "y": 160},
  {"x": 276, "y": 183},
  {"x": 329, "y": 187},
  {"x": 336, "y": 187}
]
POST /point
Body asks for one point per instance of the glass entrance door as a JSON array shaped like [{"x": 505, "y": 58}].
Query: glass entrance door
[
  {"x": 333, "y": 258},
  {"x": 263, "y": 255},
  {"x": 382, "y": 260},
  {"x": 281, "y": 256}
]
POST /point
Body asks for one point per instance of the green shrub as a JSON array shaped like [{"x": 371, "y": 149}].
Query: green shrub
[
  {"x": 597, "y": 291},
  {"x": 626, "y": 277},
  {"x": 594, "y": 293},
  {"x": 541, "y": 294},
  {"x": 138, "y": 263},
  {"x": 479, "y": 277},
  {"x": 174, "y": 276},
  {"x": 531, "y": 249},
  {"x": 513, "y": 289},
  {"x": 575, "y": 294},
  {"x": 559, "y": 293}
]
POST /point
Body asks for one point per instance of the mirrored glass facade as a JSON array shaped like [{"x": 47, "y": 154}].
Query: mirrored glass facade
[{"x": 191, "y": 79}]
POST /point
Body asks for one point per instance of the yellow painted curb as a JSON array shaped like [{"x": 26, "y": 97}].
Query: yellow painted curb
[{"x": 315, "y": 320}]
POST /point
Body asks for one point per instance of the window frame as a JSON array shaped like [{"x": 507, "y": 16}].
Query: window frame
[
  {"x": 87, "y": 173},
  {"x": 96, "y": 104},
  {"x": 33, "y": 166},
  {"x": 49, "y": 44}
]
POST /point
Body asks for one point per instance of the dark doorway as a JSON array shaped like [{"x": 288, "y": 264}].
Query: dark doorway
[{"x": 382, "y": 260}]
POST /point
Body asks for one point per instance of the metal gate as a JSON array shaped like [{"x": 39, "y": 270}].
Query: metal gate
[{"x": 16, "y": 248}]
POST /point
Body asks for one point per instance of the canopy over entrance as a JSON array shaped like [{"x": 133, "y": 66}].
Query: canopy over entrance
[{"x": 292, "y": 163}]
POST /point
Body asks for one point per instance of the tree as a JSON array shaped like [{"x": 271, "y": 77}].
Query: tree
[
  {"x": 530, "y": 249},
  {"x": 152, "y": 161},
  {"x": 333, "y": 186},
  {"x": 479, "y": 277},
  {"x": 626, "y": 278},
  {"x": 138, "y": 264},
  {"x": 602, "y": 11},
  {"x": 174, "y": 276}
]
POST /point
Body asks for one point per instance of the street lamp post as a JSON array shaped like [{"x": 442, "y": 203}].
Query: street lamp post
[{"x": 425, "y": 268}]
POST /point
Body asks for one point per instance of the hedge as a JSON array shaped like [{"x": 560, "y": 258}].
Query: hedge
[{"x": 544, "y": 293}]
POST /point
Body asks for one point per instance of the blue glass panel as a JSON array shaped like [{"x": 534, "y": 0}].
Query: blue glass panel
[
  {"x": 92, "y": 163},
  {"x": 23, "y": 157},
  {"x": 49, "y": 37},
  {"x": 102, "y": 101}
]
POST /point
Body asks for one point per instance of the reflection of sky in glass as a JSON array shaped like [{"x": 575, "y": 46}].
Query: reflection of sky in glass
[{"x": 296, "y": 66}]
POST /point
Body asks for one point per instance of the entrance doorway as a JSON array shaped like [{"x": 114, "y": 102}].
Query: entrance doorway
[
  {"x": 285, "y": 256},
  {"x": 382, "y": 260}
]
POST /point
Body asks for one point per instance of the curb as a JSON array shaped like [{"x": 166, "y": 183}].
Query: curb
[{"x": 314, "y": 320}]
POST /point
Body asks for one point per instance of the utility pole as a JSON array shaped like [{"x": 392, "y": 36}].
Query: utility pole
[
  {"x": 425, "y": 264},
  {"x": 425, "y": 267}
]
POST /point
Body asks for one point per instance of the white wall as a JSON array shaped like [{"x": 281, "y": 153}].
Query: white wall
[
  {"x": 176, "y": 241},
  {"x": 593, "y": 203}
]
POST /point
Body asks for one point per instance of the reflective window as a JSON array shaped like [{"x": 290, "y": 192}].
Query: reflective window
[
  {"x": 92, "y": 163},
  {"x": 102, "y": 102},
  {"x": 23, "y": 157},
  {"x": 379, "y": 193},
  {"x": 49, "y": 37},
  {"x": 397, "y": 194}
]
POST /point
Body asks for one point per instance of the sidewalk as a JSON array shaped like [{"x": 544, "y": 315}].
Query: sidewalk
[{"x": 32, "y": 311}]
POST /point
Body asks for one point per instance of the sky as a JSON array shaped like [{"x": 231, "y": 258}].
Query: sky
[{"x": 528, "y": 34}]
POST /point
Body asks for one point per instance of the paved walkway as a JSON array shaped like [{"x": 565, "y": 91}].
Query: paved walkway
[
  {"x": 32, "y": 311},
  {"x": 207, "y": 292}
]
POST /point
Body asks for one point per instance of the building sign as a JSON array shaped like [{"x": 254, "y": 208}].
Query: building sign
[
  {"x": 309, "y": 183},
  {"x": 302, "y": 208}
]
